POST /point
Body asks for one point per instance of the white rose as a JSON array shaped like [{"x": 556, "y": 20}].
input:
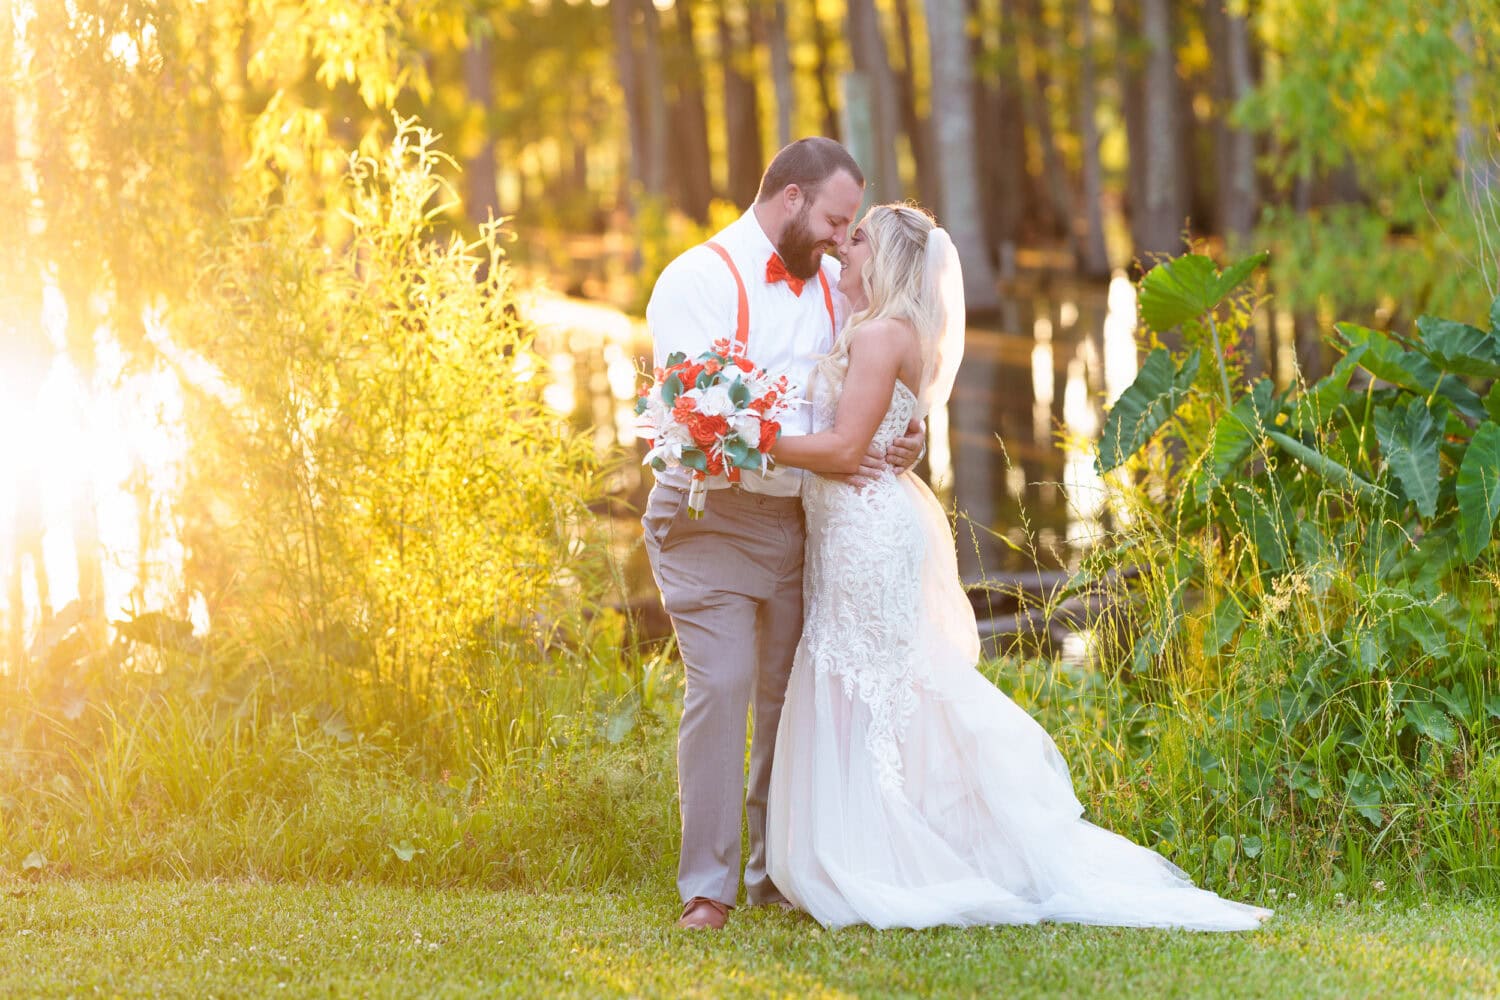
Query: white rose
[
  {"x": 715, "y": 401},
  {"x": 747, "y": 426}
]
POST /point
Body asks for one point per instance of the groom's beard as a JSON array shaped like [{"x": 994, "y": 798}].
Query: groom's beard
[{"x": 800, "y": 251}]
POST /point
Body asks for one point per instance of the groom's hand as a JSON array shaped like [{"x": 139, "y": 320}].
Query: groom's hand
[
  {"x": 870, "y": 468},
  {"x": 907, "y": 450}
]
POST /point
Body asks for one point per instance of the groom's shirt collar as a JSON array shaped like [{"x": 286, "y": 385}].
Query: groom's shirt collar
[{"x": 695, "y": 302}]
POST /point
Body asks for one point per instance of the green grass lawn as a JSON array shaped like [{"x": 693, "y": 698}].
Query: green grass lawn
[{"x": 200, "y": 939}]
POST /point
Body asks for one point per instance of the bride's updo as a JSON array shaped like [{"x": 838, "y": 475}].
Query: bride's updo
[{"x": 895, "y": 277}]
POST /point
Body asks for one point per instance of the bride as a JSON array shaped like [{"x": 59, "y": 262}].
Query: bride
[{"x": 906, "y": 790}]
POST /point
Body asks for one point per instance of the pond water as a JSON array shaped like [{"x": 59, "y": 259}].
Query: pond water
[{"x": 1011, "y": 454}]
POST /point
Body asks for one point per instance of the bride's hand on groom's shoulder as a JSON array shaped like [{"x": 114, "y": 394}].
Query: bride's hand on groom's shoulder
[{"x": 907, "y": 450}]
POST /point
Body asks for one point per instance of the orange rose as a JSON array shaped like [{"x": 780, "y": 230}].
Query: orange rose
[{"x": 769, "y": 431}]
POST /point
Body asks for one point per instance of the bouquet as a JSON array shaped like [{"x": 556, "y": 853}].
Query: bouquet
[{"x": 716, "y": 415}]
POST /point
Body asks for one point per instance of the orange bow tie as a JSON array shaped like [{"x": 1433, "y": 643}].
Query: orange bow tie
[{"x": 776, "y": 271}]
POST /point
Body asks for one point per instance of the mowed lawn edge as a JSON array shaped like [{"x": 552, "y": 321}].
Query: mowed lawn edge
[{"x": 167, "y": 938}]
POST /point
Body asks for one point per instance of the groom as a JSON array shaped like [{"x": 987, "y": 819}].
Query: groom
[{"x": 732, "y": 581}]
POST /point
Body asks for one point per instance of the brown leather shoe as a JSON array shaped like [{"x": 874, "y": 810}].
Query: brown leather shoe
[{"x": 704, "y": 913}]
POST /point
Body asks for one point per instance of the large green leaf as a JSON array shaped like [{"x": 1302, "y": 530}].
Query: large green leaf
[
  {"x": 1265, "y": 520},
  {"x": 1235, "y": 434},
  {"x": 1227, "y": 618},
  {"x": 1320, "y": 402},
  {"x": 1387, "y": 360},
  {"x": 1325, "y": 466},
  {"x": 1479, "y": 489},
  {"x": 1188, "y": 287},
  {"x": 1177, "y": 291},
  {"x": 1236, "y": 273},
  {"x": 1459, "y": 348},
  {"x": 1430, "y": 721},
  {"x": 1409, "y": 441},
  {"x": 1495, "y": 315},
  {"x": 1142, "y": 409}
]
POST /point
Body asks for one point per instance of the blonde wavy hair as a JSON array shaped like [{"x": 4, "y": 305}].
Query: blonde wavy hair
[{"x": 895, "y": 278}]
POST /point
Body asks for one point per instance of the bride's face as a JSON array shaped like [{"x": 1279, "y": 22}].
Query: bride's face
[{"x": 855, "y": 254}]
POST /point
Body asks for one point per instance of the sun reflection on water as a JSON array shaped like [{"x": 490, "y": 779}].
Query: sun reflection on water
[{"x": 89, "y": 461}]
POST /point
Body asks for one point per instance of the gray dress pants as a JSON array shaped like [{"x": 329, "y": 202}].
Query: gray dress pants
[{"x": 732, "y": 584}]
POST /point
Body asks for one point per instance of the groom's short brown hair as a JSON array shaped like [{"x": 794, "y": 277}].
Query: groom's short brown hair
[{"x": 807, "y": 163}]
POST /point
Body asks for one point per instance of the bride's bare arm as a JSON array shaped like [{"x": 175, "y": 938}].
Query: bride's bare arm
[{"x": 877, "y": 351}]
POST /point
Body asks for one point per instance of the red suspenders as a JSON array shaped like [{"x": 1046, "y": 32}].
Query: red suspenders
[{"x": 742, "y": 317}]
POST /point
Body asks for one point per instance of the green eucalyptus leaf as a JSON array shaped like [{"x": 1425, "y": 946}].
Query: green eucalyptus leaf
[
  {"x": 1478, "y": 490},
  {"x": 694, "y": 459},
  {"x": 671, "y": 388},
  {"x": 1409, "y": 441},
  {"x": 1143, "y": 408},
  {"x": 739, "y": 393},
  {"x": 1325, "y": 466},
  {"x": 1459, "y": 348},
  {"x": 675, "y": 358},
  {"x": 737, "y": 452}
]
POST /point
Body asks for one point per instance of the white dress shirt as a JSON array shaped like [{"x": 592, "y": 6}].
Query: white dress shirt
[{"x": 696, "y": 302}]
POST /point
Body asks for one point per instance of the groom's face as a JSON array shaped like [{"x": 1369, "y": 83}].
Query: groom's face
[{"x": 818, "y": 225}]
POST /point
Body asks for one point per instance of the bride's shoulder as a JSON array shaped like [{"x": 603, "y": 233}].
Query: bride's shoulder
[{"x": 884, "y": 331}]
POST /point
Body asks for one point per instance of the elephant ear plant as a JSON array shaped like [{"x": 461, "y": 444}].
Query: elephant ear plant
[{"x": 1314, "y": 575}]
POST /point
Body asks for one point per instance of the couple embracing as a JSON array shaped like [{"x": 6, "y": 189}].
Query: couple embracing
[{"x": 890, "y": 783}]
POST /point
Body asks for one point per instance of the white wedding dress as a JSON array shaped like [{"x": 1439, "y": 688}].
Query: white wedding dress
[{"x": 908, "y": 791}]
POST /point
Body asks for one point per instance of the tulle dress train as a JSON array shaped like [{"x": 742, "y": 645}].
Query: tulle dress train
[{"x": 907, "y": 790}]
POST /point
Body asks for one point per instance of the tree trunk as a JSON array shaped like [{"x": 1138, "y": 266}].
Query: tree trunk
[
  {"x": 781, "y": 73},
  {"x": 1093, "y": 259},
  {"x": 953, "y": 133},
  {"x": 1039, "y": 111},
  {"x": 918, "y": 129},
  {"x": 654, "y": 95},
  {"x": 1008, "y": 145},
  {"x": 690, "y": 166},
  {"x": 482, "y": 198},
  {"x": 867, "y": 42},
  {"x": 823, "y": 45},
  {"x": 626, "y": 62},
  {"x": 1240, "y": 199},
  {"x": 26, "y": 356},
  {"x": 1159, "y": 221},
  {"x": 1133, "y": 109},
  {"x": 741, "y": 114}
]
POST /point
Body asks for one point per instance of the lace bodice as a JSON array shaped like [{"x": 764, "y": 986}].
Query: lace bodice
[{"x": 864, "y": 553}]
